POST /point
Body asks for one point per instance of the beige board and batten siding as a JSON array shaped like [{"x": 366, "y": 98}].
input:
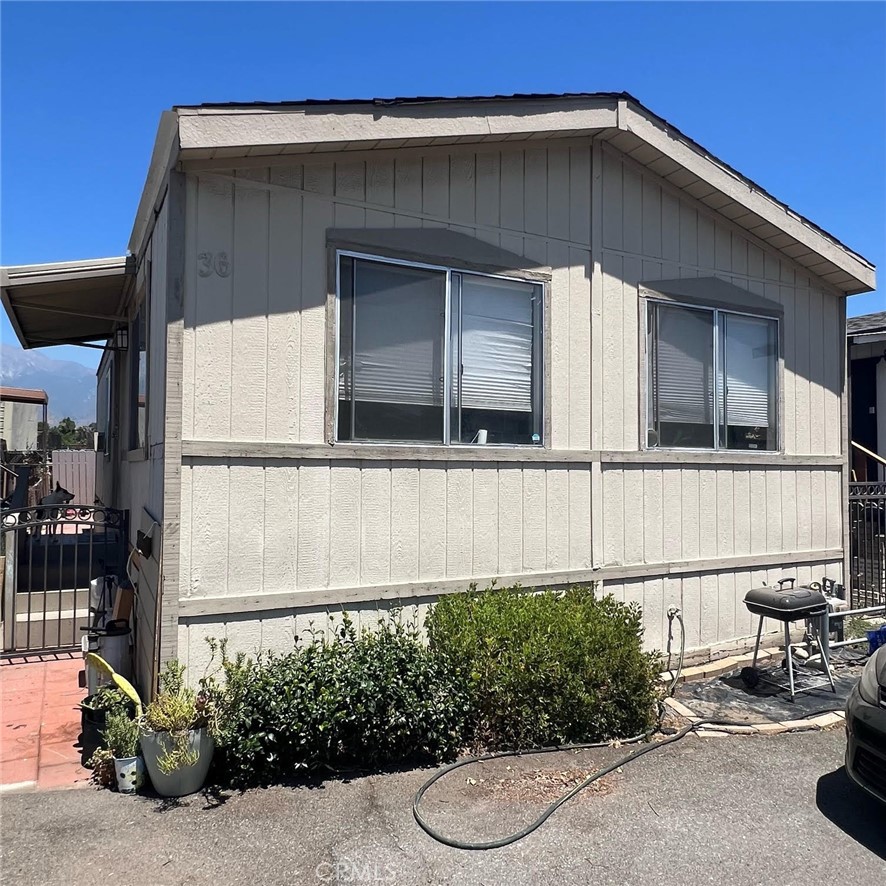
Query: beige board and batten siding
[
  {"x": 141, "y": 477},
  {"x": 258, "y": 314},
  {"x": 650, "y": 233},
  {"x": 309, "y": 532},
  {"x": 142, "y": 470}
]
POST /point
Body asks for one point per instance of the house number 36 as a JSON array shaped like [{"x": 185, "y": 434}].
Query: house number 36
[{"x": 209, "y": 264}]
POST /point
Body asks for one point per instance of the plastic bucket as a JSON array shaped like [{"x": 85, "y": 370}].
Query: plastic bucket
[
  {"x": 876, "y": 639},
  {"x": 112, "y": 643},
  {"x": 130, "y": 774}
]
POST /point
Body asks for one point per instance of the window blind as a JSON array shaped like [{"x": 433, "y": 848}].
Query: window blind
[
  {"x": 398, "y": 346},
  {"x": 103, "y": 405},
  {"x": 496, "y": 344},
  {"x": 748, "y": 356},
  {"x": 684, "y": 366}
]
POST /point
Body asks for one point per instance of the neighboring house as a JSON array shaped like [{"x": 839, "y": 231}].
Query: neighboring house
[
  {"x": 21, "y": 411},
  {"x": 381, "y": 350},
  {"x": 867, "y": 375}
]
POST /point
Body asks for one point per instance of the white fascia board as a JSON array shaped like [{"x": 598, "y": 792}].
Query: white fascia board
[
  {"x": 867, "y": 338},
  {"x": 245, "y": 128},
  {"x": 672, "y": 144},
  {"x": 235, "y": 131},
  {"x": 163, "y": 157},
  {"x": 23, "y": 275}
]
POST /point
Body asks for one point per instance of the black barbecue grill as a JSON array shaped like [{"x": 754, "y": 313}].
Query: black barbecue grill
[{"x": 787, "y": 603}]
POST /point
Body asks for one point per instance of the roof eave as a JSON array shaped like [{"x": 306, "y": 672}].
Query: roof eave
[
  {"x": 163, "y": 158},
  {"x": 54, "y": 281},
  {"x": 255, "y": 130},
  {"x": 666, "y": 138}
]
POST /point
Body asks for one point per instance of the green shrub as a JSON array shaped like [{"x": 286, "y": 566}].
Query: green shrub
[
  {"x": 367, "y": 698},
  {"x": 548, "y": 668}
]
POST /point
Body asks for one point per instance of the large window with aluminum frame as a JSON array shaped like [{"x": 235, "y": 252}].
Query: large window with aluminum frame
[
  {"x": 712, "y": 378},
  {"x": 428, "y": 354}
]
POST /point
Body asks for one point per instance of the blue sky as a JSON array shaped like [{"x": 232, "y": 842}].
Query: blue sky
[{"x": 791, "y": 94}]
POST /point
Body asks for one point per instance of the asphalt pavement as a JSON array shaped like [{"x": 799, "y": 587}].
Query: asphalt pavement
[{"x": 737, "y": 810}]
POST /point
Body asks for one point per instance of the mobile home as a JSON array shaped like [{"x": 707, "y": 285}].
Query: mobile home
[{"x": 365, "y": 353}]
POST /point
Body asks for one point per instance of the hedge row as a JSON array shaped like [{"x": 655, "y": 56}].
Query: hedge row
[{"x": 500, "y": 669}]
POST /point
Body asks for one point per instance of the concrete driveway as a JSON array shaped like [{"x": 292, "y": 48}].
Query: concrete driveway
[{"x": 742, "y": 810}]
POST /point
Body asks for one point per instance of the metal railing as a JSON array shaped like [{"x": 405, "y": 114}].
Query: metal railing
[
  {"x": 52, "y": 553},
  {"x": 867, "y": 544},
  {"x": 866, "y": 464}
]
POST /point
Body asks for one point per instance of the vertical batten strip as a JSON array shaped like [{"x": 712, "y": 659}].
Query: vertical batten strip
[{"x": 599, "y": 545}]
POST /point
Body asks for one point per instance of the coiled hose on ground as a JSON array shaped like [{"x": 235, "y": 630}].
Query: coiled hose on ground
[{"x": 553, "y": 807}]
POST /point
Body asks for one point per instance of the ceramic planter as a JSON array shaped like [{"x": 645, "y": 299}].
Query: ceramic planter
[
  {"x": 130, "y": 774},
  {"x": 187, "y": 779}
]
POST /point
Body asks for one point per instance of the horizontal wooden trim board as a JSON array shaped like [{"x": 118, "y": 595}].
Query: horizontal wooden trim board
[
  {"x": 199, "y": 449},
  {"x": 761, "y": 459},
  {"x": 240, "y": 128},
  {"x": 204, "y": 160},
  {"x": 223, "y": 449},
  {"x": 203, "y": 607}
]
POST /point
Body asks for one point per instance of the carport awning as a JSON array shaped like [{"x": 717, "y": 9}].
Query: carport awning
[{"x": 66, "y": 302}]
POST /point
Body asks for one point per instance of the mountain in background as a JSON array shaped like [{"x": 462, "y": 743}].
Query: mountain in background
[{"x": 70, "y": 386}]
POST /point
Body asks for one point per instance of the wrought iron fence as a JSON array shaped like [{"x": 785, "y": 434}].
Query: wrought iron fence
[
  {"x": 867, "y": 544},
  {"x": 51, "y": 554}
]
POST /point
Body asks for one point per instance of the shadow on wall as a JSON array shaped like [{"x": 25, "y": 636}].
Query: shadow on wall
[
  {"x": 279, "y": 630},
  {"x": 261, "y": 252},
  {"x": 852, "y": 810}
]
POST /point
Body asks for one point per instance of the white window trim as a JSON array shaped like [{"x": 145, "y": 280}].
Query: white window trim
[
  {"x": 448, "y": 270},
  {"x": 647, "y": 300},
  {"x": 108, "y": 373},
  {"x": 135, "y": 452}
]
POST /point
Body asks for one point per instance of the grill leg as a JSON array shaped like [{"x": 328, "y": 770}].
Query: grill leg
[
  {"x": 757, "y": 644},
  {"x": 824, "y": 647},
  {"x": 824, "y": 636},
  {"x": 789, "y": 659}
]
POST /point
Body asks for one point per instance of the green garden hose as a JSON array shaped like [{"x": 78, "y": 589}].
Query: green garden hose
[{"x": 553, "y": 807}]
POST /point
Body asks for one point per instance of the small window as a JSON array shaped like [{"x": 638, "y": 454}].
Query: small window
[
  {"x": 139, "y": 344},
  {"x": 435, "y": 355},
  {"x": 104, "y": 408},
  {"x": 712, "y": 379}
]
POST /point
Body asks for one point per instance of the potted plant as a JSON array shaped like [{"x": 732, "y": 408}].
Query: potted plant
[
  {"x": 121, "y": 734},
  {"x": 177, "y": 741},
  {"x": 94, "y": 710}
]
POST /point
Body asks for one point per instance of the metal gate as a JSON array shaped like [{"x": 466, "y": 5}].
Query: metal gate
[
  {"x": 50, "y": 554},
  {"x": 867, "y": 544}
]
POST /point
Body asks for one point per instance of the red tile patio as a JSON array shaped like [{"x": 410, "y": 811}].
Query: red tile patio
[{"x": 39, "y": 745}]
